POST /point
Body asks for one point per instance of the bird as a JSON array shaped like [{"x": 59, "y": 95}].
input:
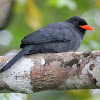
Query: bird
[{"x": 54, "y": 38}]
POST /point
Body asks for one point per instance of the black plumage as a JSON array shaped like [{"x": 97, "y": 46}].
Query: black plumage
[{"x": 53, "y": 38}]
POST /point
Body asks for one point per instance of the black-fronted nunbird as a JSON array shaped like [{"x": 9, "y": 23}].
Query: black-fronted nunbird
[{"x": 53, "y": 38}]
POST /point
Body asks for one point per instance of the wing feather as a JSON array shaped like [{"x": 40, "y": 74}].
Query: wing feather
[{"x": 46, "y": 35}]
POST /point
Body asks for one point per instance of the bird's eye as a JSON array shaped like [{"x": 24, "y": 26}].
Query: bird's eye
[{"x": 75, "y": 22}]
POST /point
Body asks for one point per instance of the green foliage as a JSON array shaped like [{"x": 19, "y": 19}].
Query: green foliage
[{"x": 62, "y": 95}]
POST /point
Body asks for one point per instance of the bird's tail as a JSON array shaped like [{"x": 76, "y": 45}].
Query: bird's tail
[{"x": 17, "y": 57}]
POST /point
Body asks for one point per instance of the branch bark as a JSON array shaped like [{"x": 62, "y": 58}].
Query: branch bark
[{"x": 56, "y": 71}]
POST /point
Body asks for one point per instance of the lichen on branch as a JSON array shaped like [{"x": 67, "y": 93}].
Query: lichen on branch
[{"x": 56, "y": 71}]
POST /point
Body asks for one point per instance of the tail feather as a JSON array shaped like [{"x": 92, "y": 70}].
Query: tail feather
[{"x": 17, "y": 57}]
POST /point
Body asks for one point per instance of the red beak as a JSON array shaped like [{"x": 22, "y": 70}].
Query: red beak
[{"x": 86, "y": 27}]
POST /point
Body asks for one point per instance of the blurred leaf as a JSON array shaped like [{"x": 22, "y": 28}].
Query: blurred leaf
[
  {"x": 71, "y": 4},
  {"x": 33, "y": 16},
  {"x": 84, "y": 5},
  {"x": 79, "y": 94},
  {"x": 19, "y": 6},
  {"x": 13, "y": 96},
  {"x": 94, "y": 45},
  {"x": 52, "y": 2},
  {"x": 50, "y": 95},
  {"x": 98, "y": 3},
  {"x": 96, "y": 97},
  {"x": 62, "y": 95}
]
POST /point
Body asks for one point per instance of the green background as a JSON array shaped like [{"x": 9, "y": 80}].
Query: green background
[{"x": 30, "y": 15}]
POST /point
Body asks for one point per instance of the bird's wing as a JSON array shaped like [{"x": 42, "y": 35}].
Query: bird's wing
[{"x": 46, "y": 35}]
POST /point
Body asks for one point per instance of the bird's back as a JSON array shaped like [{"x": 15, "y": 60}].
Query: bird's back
[{"x": 55, "y": 37}]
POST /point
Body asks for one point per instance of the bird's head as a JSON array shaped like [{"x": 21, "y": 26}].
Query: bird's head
[{"x": 80, "y": 23}]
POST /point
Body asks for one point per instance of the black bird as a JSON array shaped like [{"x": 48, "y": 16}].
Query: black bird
[{"x": 53, "y": 38}]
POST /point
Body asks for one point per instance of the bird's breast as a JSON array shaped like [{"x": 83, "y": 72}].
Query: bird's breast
[{"x": 78, "y": 42}]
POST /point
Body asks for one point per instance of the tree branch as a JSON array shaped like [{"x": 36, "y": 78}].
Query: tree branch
[{"x": 56, "y": 71}]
